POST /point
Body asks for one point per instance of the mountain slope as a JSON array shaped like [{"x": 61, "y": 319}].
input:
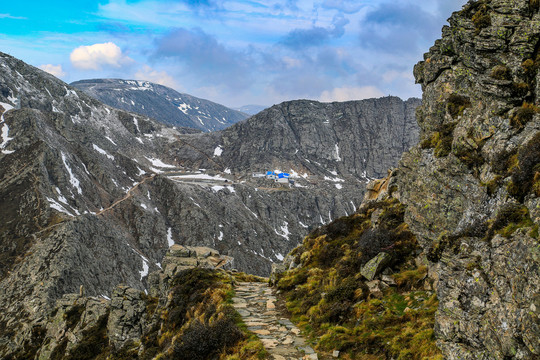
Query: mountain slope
[{"x": 161, "y": 103}]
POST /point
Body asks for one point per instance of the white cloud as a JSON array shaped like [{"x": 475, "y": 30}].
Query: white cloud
[
  {"x": 9, "y": 16},
  {"x": 393, "y": 75},
  {"x": 94, "y": 57},
  {"x": 55, "y": 70},
  {"x": 158, "y": 77},
  {"x": 350, "y": 93},
  {"x": 291, "y": 62}
]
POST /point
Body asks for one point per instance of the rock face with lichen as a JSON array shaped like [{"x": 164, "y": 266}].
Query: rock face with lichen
[{"x": 472, "y": 186}]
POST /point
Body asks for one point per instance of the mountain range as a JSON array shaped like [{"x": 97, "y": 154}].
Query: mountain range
[{"x": 162, "y": 103}]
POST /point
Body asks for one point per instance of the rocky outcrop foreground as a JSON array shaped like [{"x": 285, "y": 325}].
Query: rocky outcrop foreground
[{"x": 184, "y": 315}]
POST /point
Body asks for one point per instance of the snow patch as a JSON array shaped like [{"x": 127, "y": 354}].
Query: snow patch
[
  {"x": 159, "y": 163},
  {"x": 136, "y": 122},
  {"x": 103, "y": 152},
  {"x": 302, "y": 225},
  {"x": 5, "y": 135},
  {"x": 220, "y": 237},
  {"x": 144, "y": 271},
  {"x": 339, "y": 186},
  {"x": 218, "y": 150},
  {"x": 338, "y": 158},
  {"x": 199, "y": 177},
  {"x": 336, "y": 179},
  {"x": 284, "y": 230},
  {"x": 280, "y": 257},
  {"x": 72, "y": 179},
  {"x": 170, "y": 240},
  {"x": 59, "y": 207},
  {"x": 111, "y": 140},
  {"x": 6, "y": 106}
]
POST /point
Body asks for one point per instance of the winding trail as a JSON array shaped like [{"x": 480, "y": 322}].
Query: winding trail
[
  {"x": 256, "y": 303},
  {"x": 127, "y": 196}
]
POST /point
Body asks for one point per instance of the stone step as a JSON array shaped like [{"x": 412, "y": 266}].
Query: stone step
[{"x": 256, "y": 303}]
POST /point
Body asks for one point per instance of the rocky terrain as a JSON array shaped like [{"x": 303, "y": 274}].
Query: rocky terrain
[
  {"x": 468, "y": 196},
  {"x": 95, "y": 196},
  {"x": 161, "y": 103}
]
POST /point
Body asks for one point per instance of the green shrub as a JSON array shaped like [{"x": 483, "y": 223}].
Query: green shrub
[
  {"x": 508, "y": 219},
  {"x": 73, "y": 315},
  {"x": 204, "y": 340},
  {"x": 94, "y": 342},
  {"x": 481, "y": 19},
  {"x": 534, "y": 5}
]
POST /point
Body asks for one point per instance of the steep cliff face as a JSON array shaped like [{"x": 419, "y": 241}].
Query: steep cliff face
[
  {"x": 162, "y": 103},
  {"x": 471, "y": 187}
]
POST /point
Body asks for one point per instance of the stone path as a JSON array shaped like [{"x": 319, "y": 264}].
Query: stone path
[{"x": 256, "y": 303}]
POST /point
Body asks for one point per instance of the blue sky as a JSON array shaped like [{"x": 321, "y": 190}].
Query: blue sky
[{"x": 235, "y": 52}]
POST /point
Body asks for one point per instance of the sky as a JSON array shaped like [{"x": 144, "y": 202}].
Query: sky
[{"x": 234, "y": 52}]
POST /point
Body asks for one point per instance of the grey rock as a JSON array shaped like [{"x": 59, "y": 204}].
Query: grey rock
[{"x": 374, "y": 266}]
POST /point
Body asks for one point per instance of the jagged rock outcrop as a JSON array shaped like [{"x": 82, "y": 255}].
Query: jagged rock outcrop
[
  {"x": 133, "y": 324},
  {"x": 471, "y": 186},
  {"x": 161, "y": 103}
]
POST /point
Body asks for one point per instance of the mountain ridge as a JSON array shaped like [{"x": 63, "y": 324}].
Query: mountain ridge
[{"x": 161, "y": 103}]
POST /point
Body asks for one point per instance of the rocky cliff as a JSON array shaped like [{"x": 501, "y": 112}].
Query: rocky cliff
[
  {"x": 470, "y": 192},
  {"x": 472, "y": 185},
  {"x": 95, "y": 196},
  {"x": 162, "y": 103},
  {"x": 356, "y": 139}
]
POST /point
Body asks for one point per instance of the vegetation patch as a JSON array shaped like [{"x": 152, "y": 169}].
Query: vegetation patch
[
  {"x": 501, "y": 72},
  {"x": 456, "y": 104},
  {"x": 73, "y": 315},
  {"x": 329, "y": 299},
  {"x": 523, "y": 168},
  {"x": 523, "y": 115},
  {"x": 94, "y": 343},
  {"x": 481, "y": 19},
  {"x": 508, "y": 219},
  {"x": 441, "y": 140}
]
